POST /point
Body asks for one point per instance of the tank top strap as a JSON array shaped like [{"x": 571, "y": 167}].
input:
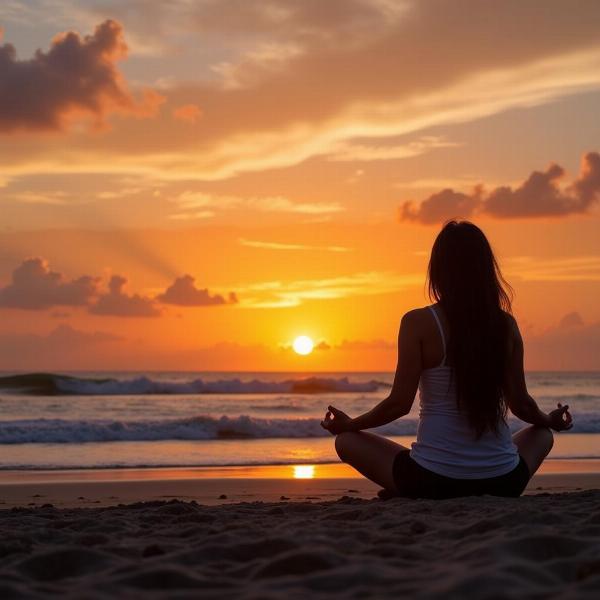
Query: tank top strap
[{"x": 439, "y": 324}]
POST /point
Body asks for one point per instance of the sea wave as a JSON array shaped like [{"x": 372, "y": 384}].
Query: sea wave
[
  {"x": 52, "y": 384},
  {"x": 199, "y": 428},
  {"x": 32, "y": 431}
]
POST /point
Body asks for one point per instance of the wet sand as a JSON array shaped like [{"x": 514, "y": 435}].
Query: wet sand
[{"x": 105, "y": 487}]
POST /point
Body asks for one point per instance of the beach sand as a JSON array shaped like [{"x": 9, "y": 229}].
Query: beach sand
[{"x": 323, "y": 536}]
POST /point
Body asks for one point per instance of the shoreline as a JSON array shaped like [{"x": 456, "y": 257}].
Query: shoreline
[{"x": 226, "y": 485}]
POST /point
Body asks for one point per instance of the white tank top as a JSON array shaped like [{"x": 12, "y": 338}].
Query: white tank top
[{"x": 446, "y": 443}]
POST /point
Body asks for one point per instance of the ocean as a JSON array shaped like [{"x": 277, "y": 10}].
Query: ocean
[{"x": 112, "y": 420}]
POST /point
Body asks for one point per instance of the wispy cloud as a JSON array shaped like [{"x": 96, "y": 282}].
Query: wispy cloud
[
  {"x": 284, "y": 246},
  {"x": 456, "y": 67},
  {"x": 280, "y": 294},
  {"x": 194, "y": 205},
  {"x": 576, "y": 268},
  {"x": 51, "y": 198},
  {"x": 363, "y": 152}
]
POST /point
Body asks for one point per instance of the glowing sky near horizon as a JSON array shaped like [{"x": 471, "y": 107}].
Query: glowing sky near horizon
[{"x": 188, "y": 185}]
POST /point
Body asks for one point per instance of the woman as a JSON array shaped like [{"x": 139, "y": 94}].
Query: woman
[{"x": 465, "y": 354}]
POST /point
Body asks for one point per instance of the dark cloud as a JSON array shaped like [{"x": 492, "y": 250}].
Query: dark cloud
[
  {"x": 34, "y": 286},
  {"x": 322, "y": 345},
  {"x": 77, "y": 76},
  {"x": 59, "y": 349},
  {"x": 571, "y": 345},
  {"x": 119, "y": 304},
  {"x": 571, "y": 320},
  {"x": 440, "y": 206},
  {"x": 183, "y": 292},
  {"x": 65, "y": 335},
  {"x": 587, "y": 186},
  {"x": 539, "y": 196},
  {"x": 366, "y": 345}
]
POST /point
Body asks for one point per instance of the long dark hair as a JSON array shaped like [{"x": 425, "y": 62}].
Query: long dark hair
[{"x": 464, "y": 277}]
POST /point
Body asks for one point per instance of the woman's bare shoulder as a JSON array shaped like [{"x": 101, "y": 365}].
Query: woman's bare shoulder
[
  {"x": 416, "y": 317},
  {"x": 512, "y": 322}
]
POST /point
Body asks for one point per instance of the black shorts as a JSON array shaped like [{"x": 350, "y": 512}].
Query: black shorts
[{"x": 414, "y": 481}]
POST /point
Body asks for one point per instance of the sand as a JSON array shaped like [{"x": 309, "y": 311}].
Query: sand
[
  {"x": 538, "y": 546},
  {"x": 545, "y": 545}
]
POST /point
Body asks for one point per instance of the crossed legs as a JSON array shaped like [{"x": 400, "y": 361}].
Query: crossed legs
[
  {"x": 373, "y": 455},
  {"x": 370, "y": 454},
  {"x": 534, "y": 444}
]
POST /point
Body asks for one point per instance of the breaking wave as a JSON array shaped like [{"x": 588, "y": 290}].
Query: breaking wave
[
  {"x": 59, "y": 431},
  {"x": 51, "y": 384},
  {"x": 32, "y": 431}
]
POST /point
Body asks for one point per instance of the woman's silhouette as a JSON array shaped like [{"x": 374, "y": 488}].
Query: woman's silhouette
[{"x": 465, "y": 354}]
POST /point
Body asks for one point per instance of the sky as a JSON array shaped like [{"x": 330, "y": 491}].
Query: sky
[{"x": 189, "y": 185}]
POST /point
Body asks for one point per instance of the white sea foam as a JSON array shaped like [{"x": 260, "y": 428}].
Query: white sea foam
[
  {"x": 145, "y": 385},
  {"x": 196, "y": 428}
]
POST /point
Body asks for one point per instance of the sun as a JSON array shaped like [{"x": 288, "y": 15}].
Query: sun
[{"x": 303, "y": 345}]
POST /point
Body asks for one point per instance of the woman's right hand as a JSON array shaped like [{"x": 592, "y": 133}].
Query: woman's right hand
[{"x": 560, "y": 418}]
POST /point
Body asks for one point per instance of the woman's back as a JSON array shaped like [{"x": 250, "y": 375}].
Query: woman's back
[
  {"x": 465, "y": 355},
  {"x": 446, "y": 442}
]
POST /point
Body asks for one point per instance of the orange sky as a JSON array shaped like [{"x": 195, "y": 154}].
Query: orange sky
[{"x": 193, "y": 189}]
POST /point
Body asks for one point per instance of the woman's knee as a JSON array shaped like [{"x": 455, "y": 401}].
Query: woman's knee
[
  {"x": 343, "y": 442},
  {"x": 544, "y": 437},
  {"x": 536, "y": 434},
  {"x": 548, "y": 438}
]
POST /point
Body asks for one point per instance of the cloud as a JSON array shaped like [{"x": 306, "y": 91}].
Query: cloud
[
  {"x": 540, "y": 195},
  {"x": 34, "y": 286},
  {"x": 188, "y": 113},
  {"x": 279, "y": 294},
  {"x": 364, "y": 152},
  {"x": 119, "y": 304},
  {"x": 183, "y": 292},
  {"x": 285, "y": 246},
  {"x": 437, "y": 63},
  {"x": 571, "y": 320},
  {"x": 570, "y": 345},
  {"x": 366, "y": 345},
  {"x": 76, "y": 77},
  {"x": 377, "y": 345},
  {"x": 196, "y": 205},
  {"x": 65, "y": 335},
  {"x": 62, "y": 348},
  {"x": 557, "y": 269},
  {"x": 441, "y": 206},
  {"x": 322, "y": 345}
]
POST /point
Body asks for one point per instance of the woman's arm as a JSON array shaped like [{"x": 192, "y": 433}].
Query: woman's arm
[
  {"x": 404, "y": 388},
  {"x": 521, "y": 404}
]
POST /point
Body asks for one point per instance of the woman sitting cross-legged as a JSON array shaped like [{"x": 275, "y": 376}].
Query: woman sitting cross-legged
[{"x": 465, "y": 355}]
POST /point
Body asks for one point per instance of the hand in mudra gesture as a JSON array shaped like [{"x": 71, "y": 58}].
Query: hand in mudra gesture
[
  {"x": 336, "y": 421},
  {"x": 560, "y": 418}
]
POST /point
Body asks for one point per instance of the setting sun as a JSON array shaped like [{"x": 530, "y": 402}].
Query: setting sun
[
  {"x": 303, "y": 345},
  {"x": 304, "y": 471}
]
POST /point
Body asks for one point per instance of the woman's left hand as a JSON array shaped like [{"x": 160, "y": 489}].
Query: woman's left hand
[{"x": 336, "y": 421}]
